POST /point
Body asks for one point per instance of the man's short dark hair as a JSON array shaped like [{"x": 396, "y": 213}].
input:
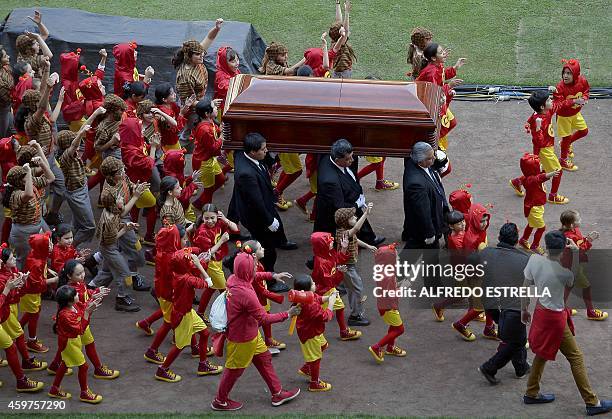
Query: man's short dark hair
[
  {"x": 340, "y": 149},
  {"x": 509, "y": 234},
  {"x": 538, "y": 99},
  {"x": 555, "y": 242},
  {"x": 253, "y": 142}
]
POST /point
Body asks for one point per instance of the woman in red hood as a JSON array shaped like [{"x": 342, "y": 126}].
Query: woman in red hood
[
  {"x": 22, "y": 81},
  {"x": 36, "y": 284},
  {"x": 244, "y": 342},
  {"x": 140, "y": 167},
  {"x": 125, "y": 67},
  {"x": 328, "y": 273},
  {"x": 461, "y": 200},
  {"x": 571, "y": 125},
  {"x": 388, "y": 306},
  {"x": 227, "y": 67},
  {"x": 172, "y": 119},
  {"x": 69, "y": 77}
]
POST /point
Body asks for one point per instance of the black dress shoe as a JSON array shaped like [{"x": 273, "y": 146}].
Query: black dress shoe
[
  {"x": 310, "y": 263},
  {"x": 378, "y": 240},
  {"x": 360, "y": 320},
  {"x": 278, "y": 287},
  {"x": 490, "y": 377},
  {"x": 139, "y": 283},
  {"x": 288, "y": 246}
]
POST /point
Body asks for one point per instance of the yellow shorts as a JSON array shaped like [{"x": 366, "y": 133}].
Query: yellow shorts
[
  {"x": 313, "y": 183},
  {"x": 209, "y": 169},
  {"x": 72, "y": 355},
  {"x": 240, "y": 355},
  {"x": 87, "y": 337},
  {"x": 30, "y": 303},
  {"x": 566, "y": 125},
  {"x": 536, "y": 217},
  {"x": 146, "y": 200},
  {"x": 5, "y": 339},
  {"x": 166, "y": 308},
  {"x": 290, "y": 162},
  {"x": 215, "y": 271},
  {"x": 312, "y": 348},
  {"x": 392, "y": 318},
  {"x": 371, "y": 159},
  {"x": 176, "y": 146},
  {"x": 582, "y": 281},
  {"x": 338, "y": 304},
  {"x": 75, "y": 126},
  {"x": 549, "y": 160},
  {"x": 7, "y": 212},
  {"x": 189, "y": 326},
  {"x": 12, "y": 326},
  {"x": 230, "y": 158}
]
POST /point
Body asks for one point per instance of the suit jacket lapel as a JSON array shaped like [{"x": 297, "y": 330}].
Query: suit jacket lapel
[{"x": 261, "y": 173}]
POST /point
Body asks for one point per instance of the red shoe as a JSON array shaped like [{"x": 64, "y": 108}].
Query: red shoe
[
  {"x": 33, "y": 364},
  {"x": 206, "y": 368},
  {"x": 302, "y": 206},
  {"x": 105, "y": 373},
  {"x": 145, "y": 327},
  {"x": 465, "y": 333},
  {"x": 319, "y": 386},
  {"x": 52, "y": 369},
  {"x": 304, "y": 370},
  {"x": 567, "y": 165},
  {"x": 227, "y": 406},
  {"x": 167, "y": 375},
  {"x": 350, "y": 334},
  {"x": 90, "y": 397},
  {"x": 154, "y": 357},
  {"x": 378, "y": 354},
  {"x": 25, "y": 385},
  {"x": 36, "y": 346},
  {"x": 490, "y": 333},
  {"x": 284, "y": 396},
  {"x": 516, "y": 186},
  {"x": 386, "y": 185},
  {"x": 273, "y": 343},
  {"x": 195, "y": 351},
  {"x": 525, "y": 245},
  {"x": 557, "y": 199},
  {"x": 597, "y": 314},
  {"x": 58, "y": 393}
]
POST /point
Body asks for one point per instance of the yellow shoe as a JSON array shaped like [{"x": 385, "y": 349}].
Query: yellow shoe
[
  {"x": 597, "y": 315},
  {"x": 282, "y": 204},
  {"x": 438, "y": 313},
  {"x": 206, "y": 368},
  {"x": 466, "y": 334},
  {"x": 90, "y": 397},
  {"x": 539, "y": 250},
  {"x": 3, "y": 363},
  {"x": 518, "y": 191},
  {"x": 525, "y": 245},
  {"x": 167, "y": 375},
  {"x": 574, "y": 312},
  {"x": 557, "y": 199},
  {"x": 396, "y": 351},
  {"x": 273, "y": 343},
  {"x": 481, "y": 317},
  {"x": 350, "y": 334},
  {"x": 568, "y": 166},
  {"x": 319, "y": 386},
  {"x": 378, "y": 355}
]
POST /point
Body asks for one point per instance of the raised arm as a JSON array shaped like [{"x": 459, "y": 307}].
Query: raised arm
[
  {"x": 44, "y": 91},
  {"x": 338, "y": 11},
  {"x": 212, "y": 34},
  {"x": 37, "y": 19},
  {"x": 347, "y": 10},
  {"x": 43, "y": 45},
  {"x": 324, "y": 49}
]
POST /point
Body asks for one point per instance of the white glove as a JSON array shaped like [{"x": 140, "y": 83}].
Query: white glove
[
  {"x": 430, "y": 240},
  {"x": 274, "y": 226},
  {"x": 361, "y": 201},
  {"x": 208, "y": 282}
]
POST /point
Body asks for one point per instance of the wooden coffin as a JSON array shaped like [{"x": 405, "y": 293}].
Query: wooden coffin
[{"x": 306, "y": 115}]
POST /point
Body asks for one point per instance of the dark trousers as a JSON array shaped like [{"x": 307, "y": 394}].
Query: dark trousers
[{"x": 513, "y": 334}]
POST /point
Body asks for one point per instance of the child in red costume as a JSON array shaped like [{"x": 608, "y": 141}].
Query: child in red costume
[
  {"x": 543, "y": 139},
  {"x": 71, "y": 324},
  {"x": 10, "y": 282},
  {"x": 244, "y": 342},
  {"x": 388, "y": 307},
  {"x": 30, "y": 302},
  {"x": 310, "y": 327},
  {"x": 184, "y": 320},
  {"x": 8, "y": 158},
  {"x": 125, "y": 67},
  {"x": 25, "y": 81},
  {"x": 211, "y": 235},
  {"x": 174, "y": 165},
  {"x": 227, "y": 67},
  {"x": 73, "y": 274},
  {"x": 571, "y": 125},
  {"x": 535, "y": 199},
  {"x": 570, "y": 226},
  {"x": 208, "y": 139},
  {"x": 328, "y": 273},
  {"x": 64, "y": 250},
  {"x": 140, "y": 167},
  {"x": 8, "y": 317},
  {"x": 461, "y": 200},
  {"x": 474, "y": 240},
  {"x": 169, "y": 128}
]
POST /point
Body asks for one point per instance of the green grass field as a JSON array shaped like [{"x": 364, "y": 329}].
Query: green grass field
[{"x": 516, "y": 42}]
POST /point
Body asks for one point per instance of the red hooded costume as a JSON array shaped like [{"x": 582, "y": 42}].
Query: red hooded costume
[
  {"x": 169, "y": 133},
  {"x": 244, "y": 311},
  {"x": 25, "y": 83},
  {"x": 174, "y": 165},
  {"x": 259, "y": 285},
  {"x": 207, "y": 139},
  {"x": 314, "y": 59},
  {"x": 579, "y": 88},
  {"x": 167, "y": 242},
  {"x": 205, "y": 238},
  {"x": 475, "y": 235},
  {"x": 61, "y": 254},
  {"x": 125, "y": 66},
  {"x": 223, "y": 75},
  {"x": 69, "y": 76},
  {"x": 311, "y": 320},
  {"x": 70, "y": 324},
  {"x": 325, "y": 273},
  {"x": 36, "y": 264},
  {"x": 184, "y": 284},
  {"x": 436, "y": 73},
  {"x": 535, "y": 193},
  {"x": 13, "y": 296},
  {"x": 8, "y": 158},
  {"x": 134, "y": 152},
  {"x": 386, "y": 255},
  {"x": 461, "y": 200}
]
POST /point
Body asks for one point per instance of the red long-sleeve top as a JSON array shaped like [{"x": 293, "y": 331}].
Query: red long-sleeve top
[
  {"x": 222, "y": 76},
  {"x": 134, "y": 152},
  {"x": 259, "y": 285},
  {"x": 207, "y": 139},
  {"x": 384, "y": 256},
  {"x": 84, "y": 294},
  {"x": 579, "y": 88},
  {"x": 244, "y": 311},
  {"x": 184, "y": 287},
  {"x": 8, "y": 158},
  {"x": 36, "y": 264},
  {"x": 170, "y": 134},
  {"x": 167, "y": 242},
  {"x": 325, "y": 273},
  {"x": 174, "y": 165},
  {"x": 205, "y": 238},
  {"x": 583, "y": 244},
  {"x": 311, "y": 320},
  {"x": 436, "y": 73},
  {"x": 71, "y": 323},
  {"x": 13, "y": 296},
  {"x": 61, "y": 254}
]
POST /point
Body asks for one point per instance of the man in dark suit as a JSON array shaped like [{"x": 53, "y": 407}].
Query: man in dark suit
[
  {"x": 425, "y": 204},
  {"x": 253, "y": 201},
  {"x": 337, "y": 187}
]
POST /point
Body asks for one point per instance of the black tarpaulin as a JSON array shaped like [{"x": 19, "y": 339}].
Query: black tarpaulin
[{"x": 157, "y": 40}]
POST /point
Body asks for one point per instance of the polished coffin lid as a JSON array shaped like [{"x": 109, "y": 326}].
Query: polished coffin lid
[{"x": 306, "y": 115}]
